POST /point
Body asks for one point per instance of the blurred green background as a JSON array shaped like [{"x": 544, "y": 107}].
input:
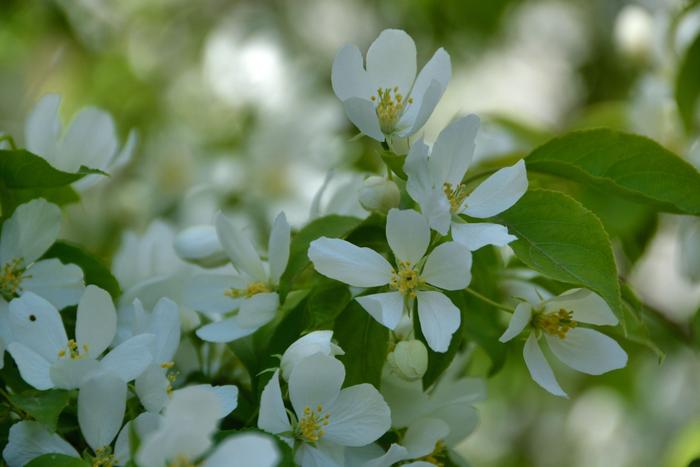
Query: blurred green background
[{"x": 234, "y": 109}]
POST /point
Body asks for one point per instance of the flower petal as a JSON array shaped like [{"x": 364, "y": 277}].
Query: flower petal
[
  {"x": 588, "y": 351},
  {"x": 226, "y": 330},
  {"x": 91, "y": 140},
  {"x": 392, "y": 456},
  {"x": 67, "y": 373},
  {"x": 61, "y": 284},
  {"x": 143, "y": 425},
  {"x": 240, "y": 249},
  {"x": 305, "y": 346},
  {"x": 316, "y": 380},
  {"x": 587, "y": 307},
  {"x": 498, "y": 192},
  {"x": 439, "y": 319},
  {"x": 30, "y": 231},
  {"x": 35, "y": 323},
  {"x": 96, "y": 322},
  {"x": 408, "y": 234},
  {"x": 206, "y": 292},
  {"x": 448, "y": 267},
  {"x": 200, "y": 244},
  {"x": 475, "y": 236},
  {"x": 165, "y": 325},
  {"x": 391, "y": 61},
  {"x": 43, "y": 127},
  {"x": 453, "y": 150},
  {"x": 278, "y": 249},
  {"x": 412, "y": 122},
  {"x": 273, "y": 416},
  {"x": 101, "y": 408},
  {"x": 33, "y": 368},
  {"x": 348, "y": 76},
  {"x": 152, "y": 388},
  {"x": 245, "y": 450},
  {"x": 345, "y": 262},
  {"x": 258, "y": 310},
  {"x": 438, "y": 70},
  {"x": 29, "y": 440},
  {"x": 363, "y": 115},
  {"x": 422, "y": 435},
  {"x": 539, "y": 368},
  {"x": 358, "y": 417},
  {"x": 130, "y": 358},
  {"x": 386, "y": 308},
  {"x": 518, "y": 322}
]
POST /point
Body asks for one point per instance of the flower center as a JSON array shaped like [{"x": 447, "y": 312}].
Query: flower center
[
  {"x": 556, "y": 323},
  {"x": 72, "y": 351},
  {"x": 252, "y": 289},
  {"x": 438, "y": 456},
  {"x": 455, "y": 196},
  {"x": 406, "y": 280},
  {"x": 104, "y": 458},
  {"x": 181, "y": 461},
  {"x": 310, "y": 427},
  {"x": 11, "y": 278},
  {"x": 390, "y": 106},
  {"x": 171, "y": 375}
]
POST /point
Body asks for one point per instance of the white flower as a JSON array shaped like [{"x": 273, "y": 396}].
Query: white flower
[
  {"x": 200, "y": 244},
  {"x": 379, "y": 194},
  {"x": 26, "y": 236},
  {"x": 252, "y": 292},
  {"x": 343, "y": 199},
  {"x": 90, "y": 141},
  {"x": 183, "y": 434},
  {"x": 689, "y": 248},
  {"x": 408, "y": 360},
  {"x": 446, "y": 267},
  {"x": 435, "y": 183},
  {"x": 386, "y": 99},
  {"x": 47, "y": 359},
  {"x": 557, "y": 320},
  {"x": 326, "y": 418},
  {"x": 28, "y": 440},
  {"x": 305, "y": 346}
]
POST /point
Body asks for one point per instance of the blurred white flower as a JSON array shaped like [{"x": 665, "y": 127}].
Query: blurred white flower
[
  {"x": 28, "y": 440},
  {"x": 200, "y": 244},
  {"x": 446, "y": 267},
  {"x": 557, "y": 319},
  {"x": 379, "y": 194}
]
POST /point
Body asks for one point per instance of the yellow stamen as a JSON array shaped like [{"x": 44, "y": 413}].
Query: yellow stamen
[
  {"x": 310, "y": 427},
  {"x": 406, "y": 280},
  {"x": 104, "y": 457},
  {"x": 557, "y": 323},
  {"x": 73, "y": 351},
  {"x": 252, "y": 289},
  {"x": 11, "y": 275},
  {"x": 455, "y": 196},
  {"x": 390, "y": 107},
  {"x": 438, "y": 456}
]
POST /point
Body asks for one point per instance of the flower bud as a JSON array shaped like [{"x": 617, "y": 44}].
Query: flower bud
[
  {"x": 200, "y": 245},
  {"x": 379, "y": 194},
  {"x": 409, "y": 360},
  {"x": 310, "y": 344}
]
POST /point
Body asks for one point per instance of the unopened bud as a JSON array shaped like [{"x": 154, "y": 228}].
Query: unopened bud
[
  {"x": 379, "y": 194},
  {"x": 409, "y": 360},
  {"x": 200, "y": 245},
  {"x": 634, "y": 32}
]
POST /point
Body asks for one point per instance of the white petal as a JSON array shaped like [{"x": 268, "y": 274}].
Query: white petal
[
  {"x": 587, "y": 307},
  {"x": 453, "y": 150},
  {"x": 420, "y": 183},
  {"x": 315, "y": 380},
  {"x": 324, "y": 455},
  {"x": 498, "y": 192},
  {"x": 438, "y": 70},
  {"x": 33, "y": 368},
  {"x": 258, "y": 310},
  {"x": 411, "y": 122},
  {"x": 518, "y": 322},
  {"x": 30, "y": 231},
  {"x": 448, "y": 267},
  {"x": 588, "y": 351},
  {"x": 101, "y": 407},
  {"x": 386, "y": 308},
  {"x": 363, "y": 115},
  {"x": 539, "y": 368},
  {"x": 273, "y": 416},
  {"x": 358, "y": 417},
  {"x": 227, "y": 394},
  {"x": 475, "y": 236},
  {"x": 61, "y": 284},
  {"x": 152, "y": 388},
  {"x": 207, "y": 292},
  {"x": 348, "y": 76},
  {"x": 35, "y": 323},
  {"x": 43, "y": 127},
  {"x": 240, "y": 249},
  {"x": 278, "y": 250},
  {"x": 307, "y": 345},
  {"x": 145, "y": 424},
  {"x": 345, "y": 262},
  {"x": 200, "y": 244},
  {"x": 245, "y": 450},
  {"x": 439, "y": 319},
  {"x": 422, "y": 435},
  {"x": 226, "y": 330},
  {"x": 130, "y": 358},
  {"x": 91, "y": 140},
  {"x": 391, "y": 61},
  {"x": 29, "y": 440},
  {"x": 408, "y": 234},
  {"x": 96, "y": 322},
  {"x": 165, "y": 325},
  {"x": 393, "y": 455},
  {"x": 67, "y": 373}
]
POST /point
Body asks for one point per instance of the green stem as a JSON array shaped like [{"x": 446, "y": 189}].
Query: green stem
[
  {"x": 12, "y": 406},
  {"x": 10, "y": 140},
  {"x": 488, "y": 300}
]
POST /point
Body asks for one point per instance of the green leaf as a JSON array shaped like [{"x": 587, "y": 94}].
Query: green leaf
[
  {"x": 22, "y": 169},
  {"x": 57, "y": 460},
  {"x": 622, "y": 164},
  {"x": 333, "y": 226},
  {"x": 43, "y": 406},
  {"x": 395, "y": 163},
  {"x": 325, "y": 302},
  {"x": 365, "y": 342},
  {"x": 564, "y": 241},
  {"x": 94, "y": 270},
  {"x": 688, "y": 85}
]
